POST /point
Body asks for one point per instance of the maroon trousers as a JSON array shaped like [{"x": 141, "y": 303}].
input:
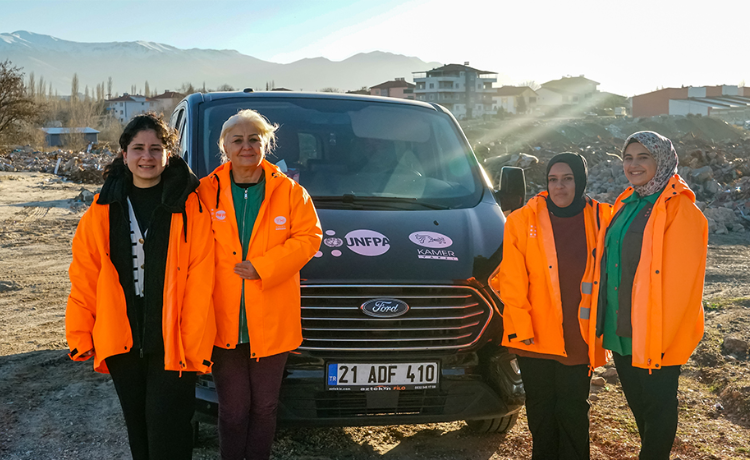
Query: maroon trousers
[{"x": 248, "y": 391}]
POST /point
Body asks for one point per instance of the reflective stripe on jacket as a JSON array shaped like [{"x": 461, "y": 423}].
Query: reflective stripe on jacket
[
  {"x": 96, "y": 314},
  {"x": 286, "y": 235},
  {"x": 528, "y": 285},
  {"x": 667, "y": 308}
]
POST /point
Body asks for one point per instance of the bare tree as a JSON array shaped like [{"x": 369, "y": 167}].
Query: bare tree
[
  {"x": 146, "y": 90},
  {"x": 42, "y": 88},
  {"x": 16, "y": 107},
  {"x": 32, "y": 86},
  {"x": 531, "y": 84},
  {"x": 74, "y": 88},
  {"x": 225, "y": 87},
  {"x": 330, "y": 90},
  {"x": 109, "y": 88}
]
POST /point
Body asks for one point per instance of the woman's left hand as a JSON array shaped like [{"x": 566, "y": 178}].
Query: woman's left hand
[{"x": 246, "y": 271}]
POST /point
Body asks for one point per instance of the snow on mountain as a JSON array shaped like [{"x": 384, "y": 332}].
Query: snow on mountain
[{"x": 167, "y": 67}]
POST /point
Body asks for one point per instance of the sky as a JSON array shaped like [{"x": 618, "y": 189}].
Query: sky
[{"x": 629, "y": 47}]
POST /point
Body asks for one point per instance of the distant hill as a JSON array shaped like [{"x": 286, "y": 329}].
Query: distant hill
[{"x": 166, "y": 67}]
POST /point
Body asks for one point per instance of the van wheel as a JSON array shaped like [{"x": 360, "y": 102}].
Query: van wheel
[{"x": 493, "y": 425}]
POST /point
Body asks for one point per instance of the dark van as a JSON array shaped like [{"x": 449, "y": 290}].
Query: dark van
[{"x": 399, "y": 323}]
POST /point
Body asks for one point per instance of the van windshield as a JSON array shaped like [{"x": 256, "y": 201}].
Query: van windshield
[{"x": 360, "y": 154}]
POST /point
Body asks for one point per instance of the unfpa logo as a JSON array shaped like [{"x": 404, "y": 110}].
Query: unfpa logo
[{"x": 220, "y": 215}]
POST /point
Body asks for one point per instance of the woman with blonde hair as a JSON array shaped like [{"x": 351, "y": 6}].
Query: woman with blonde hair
[
  {"x": 265, "y": 230},
  {"x": 140, "y": 301},
  {"x": 649, "y": 286}
]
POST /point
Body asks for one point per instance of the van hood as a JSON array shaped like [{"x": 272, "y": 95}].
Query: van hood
[{"x": 406, "y": 247}]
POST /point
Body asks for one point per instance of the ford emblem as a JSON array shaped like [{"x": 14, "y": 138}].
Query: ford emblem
[{"x": 384, "y": 308}]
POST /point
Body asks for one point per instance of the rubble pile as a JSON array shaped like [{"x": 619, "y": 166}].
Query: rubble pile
[
  {"x": 81, "y": 167},
  {"x": 714, "y": 161}
]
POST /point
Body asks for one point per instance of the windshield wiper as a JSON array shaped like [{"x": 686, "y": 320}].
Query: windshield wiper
[{"x": 349, "y": 198}]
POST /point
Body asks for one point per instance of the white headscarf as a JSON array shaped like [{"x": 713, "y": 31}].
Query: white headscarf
[{"x": 665, "y": 155}]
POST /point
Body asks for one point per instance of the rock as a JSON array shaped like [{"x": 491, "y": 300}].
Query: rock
[
  {"x": 721, "y": 229},
  {"x": 700, "y": 175},
  {"x": 724, "y": 217},
  {"x": 711, "y": 225},
  {"x": 6, "y": 286},
  {"x": 611, "y": 372},
  {"x": 701, "y": 205},
  {"x": 735, "y": 346},
  {"x": 593, "y": 398},
  {"x": 712, "y": 186},
  {"x": 85, "y": 196},
  {"x": 598, "y": 382}
]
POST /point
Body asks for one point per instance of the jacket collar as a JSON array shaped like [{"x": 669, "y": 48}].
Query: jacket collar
[
  {"x": 675, "y": 186},
  {"x": 179, "y": 182},
  {"x": 272, "y": 172}
]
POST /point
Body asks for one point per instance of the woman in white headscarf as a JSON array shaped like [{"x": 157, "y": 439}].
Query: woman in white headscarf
[{"x": 649, "y": 286}]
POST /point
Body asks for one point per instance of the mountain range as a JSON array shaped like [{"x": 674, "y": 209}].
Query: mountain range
[{"x": 166, "y": 67}]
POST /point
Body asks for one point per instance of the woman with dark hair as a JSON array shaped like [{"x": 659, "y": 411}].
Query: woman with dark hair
[
  {"x": 649, "y": 286},
  {"x": 266, "y": 229},
  {"x": 545, "y": 282},
  {"x": 142, "y": 275}
]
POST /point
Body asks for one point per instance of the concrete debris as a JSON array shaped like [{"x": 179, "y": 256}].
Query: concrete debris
[
  {"x": 714, "y": 158},
  {"x": 80, "y": 167}
]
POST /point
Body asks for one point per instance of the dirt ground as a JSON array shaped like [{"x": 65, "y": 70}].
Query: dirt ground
[{"x": 53, "y": 408}]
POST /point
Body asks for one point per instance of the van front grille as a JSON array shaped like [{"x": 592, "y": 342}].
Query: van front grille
[{"x": 439, "y": 318}]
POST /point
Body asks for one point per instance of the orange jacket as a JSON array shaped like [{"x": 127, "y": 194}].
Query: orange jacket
[
  {"x": 667, "y": 308},
  {"x": 528, "y": 285},
  {"x": 285, "y": 237},
  {"x": 96, "y": 314}
]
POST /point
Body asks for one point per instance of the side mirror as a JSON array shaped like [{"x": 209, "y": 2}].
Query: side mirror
[{"x": 511, "y": 193}]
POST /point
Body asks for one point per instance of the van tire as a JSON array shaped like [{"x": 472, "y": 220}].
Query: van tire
[{"x": 499, "y": 425}]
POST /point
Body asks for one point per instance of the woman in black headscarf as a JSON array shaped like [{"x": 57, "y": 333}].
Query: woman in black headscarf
[{"x": 544, "y": 282}]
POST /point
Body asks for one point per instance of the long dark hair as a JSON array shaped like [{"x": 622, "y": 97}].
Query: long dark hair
[{"x": 144, "y": 122}]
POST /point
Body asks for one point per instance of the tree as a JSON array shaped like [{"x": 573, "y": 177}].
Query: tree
[
  {"x": 42, "y": 88},
  {"x": 531, "y": 84},
  {"x": 16, "y": 107},
  {"x": 520, "y": 105},
  {"x": 32, "y": 86},
  {"x": 330, "y": 90},
  {"x": 74, "y": 88},
  {"x": 109, "y": 88},
  {"x": 146, "y": 90},
  {"x": 225, "y": 87}
]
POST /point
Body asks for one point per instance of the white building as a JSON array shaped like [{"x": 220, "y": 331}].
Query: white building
[
  {"x": 514, "y": 99},
  {"x": 126, "y": 106},
  {"x": 465, "y": 91},
  {"x": 566, "y": 91},
  {"x": 165, "y": 103}
]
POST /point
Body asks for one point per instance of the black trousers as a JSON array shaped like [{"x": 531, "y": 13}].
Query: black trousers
[
  {"x": 158, "y": 406},
  {"x": 652, "y": 398},
  {"x": 557, "y": 408}
]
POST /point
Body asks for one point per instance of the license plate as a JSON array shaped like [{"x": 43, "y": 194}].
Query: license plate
[{"x": 376, "y": 377}]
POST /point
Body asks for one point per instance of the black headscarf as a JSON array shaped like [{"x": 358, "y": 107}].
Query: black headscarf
[{"x": 577, "y": 164}]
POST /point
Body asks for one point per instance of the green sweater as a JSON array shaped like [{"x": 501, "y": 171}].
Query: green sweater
[
  {"x": 613, "y": 244},
  {"x": 247, "y": 203}
]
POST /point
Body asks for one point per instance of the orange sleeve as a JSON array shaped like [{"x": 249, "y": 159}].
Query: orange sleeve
[
  {"x": 683, "y": 272},
  {"x": 512, "y": 281},
  {"x": 198, "y": 325},
  {"x": 281, "y": 262},
  {"x": 80, "y": 312}
]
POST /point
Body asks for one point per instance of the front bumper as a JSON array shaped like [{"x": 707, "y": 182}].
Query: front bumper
[{"x": 473, "y": 386}]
